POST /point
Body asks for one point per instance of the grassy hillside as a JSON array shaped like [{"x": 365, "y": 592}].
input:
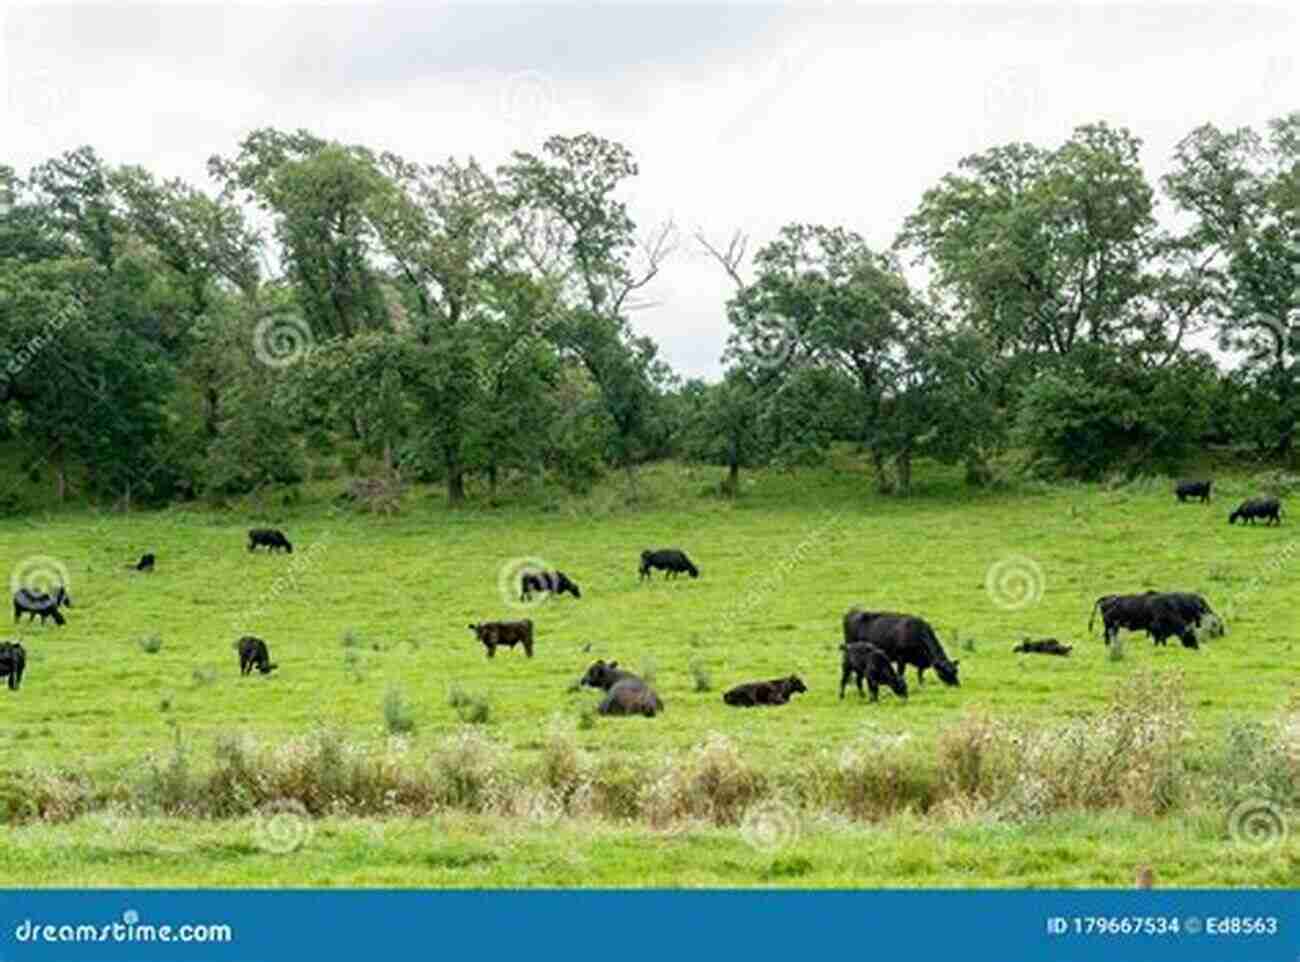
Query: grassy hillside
[{"x": 371, "y": 609}]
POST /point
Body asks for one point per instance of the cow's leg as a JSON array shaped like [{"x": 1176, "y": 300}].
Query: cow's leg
[
  {"x": 875, "y": 688},
  {"x": 920, "y": 675},
  {"x": 491, "y": 650},
  {"x": 845, "y": 674}
]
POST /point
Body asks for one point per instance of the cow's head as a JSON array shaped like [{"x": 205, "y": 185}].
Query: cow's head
[
  {"x": 267, "y": 667},
  {"x": 794, "y": 684},
  {"x": 477, "y": 629},
  {"x": 61, "y": 597},
  {"x": 947, "y": 671},
  {"x": 567, "y": 585},
  {"x": 601, "y": 675}
]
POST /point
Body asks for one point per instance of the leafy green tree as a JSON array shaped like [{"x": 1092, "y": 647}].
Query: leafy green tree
[{"x": 1239, "y": 190}]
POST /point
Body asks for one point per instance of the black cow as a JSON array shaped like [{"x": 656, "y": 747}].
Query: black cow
[
  {"x": 13, "y": 660},
  {"x": 1193, "y": 489},
  {"x": 625, "y": 693},
  {"x": 253, "y": 653},
  {"x": 1253, "y": 508},
  {"x": 272, "y": 538},
  {"x": 507, "y": 633},
  {"x": 672, "y": 561},
  {"x": 1160, "y": 615},
  {"x": 144, "y": 564},
  {"x": 553, "y": 582},
  {"x": 775, "y": 692},
  {"x": 865, "y": 660},
  {"x": 904, "y": 639},
  {"x": 1047, "y": 646},
  {"x": 33, "y": 603}
]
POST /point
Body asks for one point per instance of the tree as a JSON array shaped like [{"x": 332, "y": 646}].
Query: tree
[
  {"x": 821, "y": 292},
  {"x": 1239, "y": 190},
  {"x": 1042, "y": 250},
  {"x": 580, "y": 235}
]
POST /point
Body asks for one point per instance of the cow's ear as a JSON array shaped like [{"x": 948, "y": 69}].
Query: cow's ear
[{"x": 613, "y": 664}]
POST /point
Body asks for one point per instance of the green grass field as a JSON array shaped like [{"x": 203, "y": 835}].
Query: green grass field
[{"x": 370, "y": 606}]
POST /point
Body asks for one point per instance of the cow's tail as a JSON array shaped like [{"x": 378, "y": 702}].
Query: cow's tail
[{"x": 1096, "y": 606}]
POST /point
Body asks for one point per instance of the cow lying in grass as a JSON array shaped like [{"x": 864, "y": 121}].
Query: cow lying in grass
[
  {"x": 145, "y": 563},
  {"x": 505, "y": 633},
  {"x": 550, "y": 582},
  {"x": 775, "y": 692},
  {"x": 904, "y": 640},
  {"x": 13, "y": 660},
  {"x": 34, "y": 603},
  {"x": 271, "y": 538},
  {"x": 625, "y": 693},
  {"x": 1047, "y": 646},
  {"x": 864, "y": 660},
  {"x": 253, "y": 653}
]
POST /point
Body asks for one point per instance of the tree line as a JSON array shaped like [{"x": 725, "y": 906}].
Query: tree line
[{"x": 444, "y": 322}]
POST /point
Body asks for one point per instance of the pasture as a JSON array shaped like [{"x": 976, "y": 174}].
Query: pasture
[{"x": 370, "y": 610}]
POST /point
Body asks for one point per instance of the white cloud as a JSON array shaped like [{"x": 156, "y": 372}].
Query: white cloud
[{"x": 741, "y": 117}]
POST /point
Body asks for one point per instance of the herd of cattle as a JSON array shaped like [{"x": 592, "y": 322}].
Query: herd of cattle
[{"x": 878, "y": 646}]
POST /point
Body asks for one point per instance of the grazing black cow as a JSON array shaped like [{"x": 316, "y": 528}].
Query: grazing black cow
[
  {"x": 253, "y": 653},
  {"x": 774, "y": 692},
  {"x": 866, "y": 660},
  {"x": 1194, "y": 489},
  {"x": 144, "y": 564},
  {"x": 272, "y": 538},
  {"x": 553, "y": 582},
  {"x": 13, "y": 660},
  {"x": 33, "y": 603},
  {"x": 1193, "y": 608},
  {"x": 672, "y": 561},
  {"x": 507, "y": 633},
  {"x": 625, "y": 693},
  {"x": 904, "y": 639},
  {"x": 1160, "y": 615},
  {"x": 1047, "y": 646},
  {"x": 1253, "y": 508}
]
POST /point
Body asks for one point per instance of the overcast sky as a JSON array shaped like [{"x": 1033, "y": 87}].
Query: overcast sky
[{"x": 741, "y": 116}]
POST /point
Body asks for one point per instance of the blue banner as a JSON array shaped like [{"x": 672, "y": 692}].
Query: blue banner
[{"x": 251, "y": 926}]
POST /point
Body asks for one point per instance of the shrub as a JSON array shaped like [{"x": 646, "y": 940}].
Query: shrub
[
  {"x": 398, "y": 719},
  {"x": 466, "y": 769},
  {"x": 713, "y": 782},
  {"x": 472, "y": 709},
  {"x": 703, "y": 680},
  {"x": 151, "y": 645}
]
